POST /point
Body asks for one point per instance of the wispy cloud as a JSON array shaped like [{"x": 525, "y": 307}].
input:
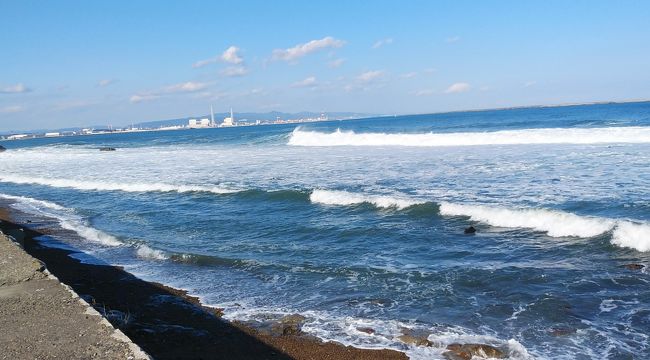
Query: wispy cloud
[
  {"x": 452, "y": 39},
  {"x": 300, "y": 50},
  {"x": 230, "y": 56},
  {"x": 530, "y": 83},
  {"x": 364, "y": 80},
  {"x": 335, "y": 63},
  {"x": 308, "y": 82},
  {"x": 185, "y": 87},
  {"x": 409, "y": 75},
  {"x": 105, "y": 82},
  {"x": 234, "y": 71},
  {"x": 458, "y": 88},
  {"x": 138, "y": 98},
  {"x": 430, "y": 70},
  {"x": 369, "y": 76},
  {"x": 12, "y": 109},
  {"x": 423, "y": 92},
  {"x": 382, "y": 42},
  {"x": 15, "y": 89}
]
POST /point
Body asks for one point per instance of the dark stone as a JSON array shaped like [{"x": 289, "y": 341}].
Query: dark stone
[
  {"x": 288, "y": 325},
  {"x": 562, "y": 331},
  {"x": 106, "y": 148},
  {"x": 467, "y": 351},
  {"x": 634, "y": 266},
  {"x": 367, "y": 330},
  {"x": 470, "y": 230},
  {"x": 2, "y": 148},
  {"x": 417, "y": 340}
]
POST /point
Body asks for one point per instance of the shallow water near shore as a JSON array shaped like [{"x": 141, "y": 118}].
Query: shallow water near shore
[{"x": 360, "y": 223}]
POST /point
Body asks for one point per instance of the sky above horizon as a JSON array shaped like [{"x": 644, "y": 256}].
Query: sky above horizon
[{"x": 79, "y": 63}]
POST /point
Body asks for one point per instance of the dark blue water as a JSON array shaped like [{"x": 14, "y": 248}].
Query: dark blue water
[{"x": 360, "y": 223}]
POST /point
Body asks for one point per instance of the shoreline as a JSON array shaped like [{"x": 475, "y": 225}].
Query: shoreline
[{"x": 168, "y": 323}]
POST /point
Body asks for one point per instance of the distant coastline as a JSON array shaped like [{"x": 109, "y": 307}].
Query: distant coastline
[{"x": 41, "y": 133}]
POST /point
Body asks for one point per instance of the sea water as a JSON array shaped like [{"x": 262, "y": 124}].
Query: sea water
[{"x": 360, "y": 223}]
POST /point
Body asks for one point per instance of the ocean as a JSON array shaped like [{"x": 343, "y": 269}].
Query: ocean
[{"x": 360, "y": 223}]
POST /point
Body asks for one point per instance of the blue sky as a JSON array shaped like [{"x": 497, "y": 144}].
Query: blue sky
[{"x": 75, "y": 63}]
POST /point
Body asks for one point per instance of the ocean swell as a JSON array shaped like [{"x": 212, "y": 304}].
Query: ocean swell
[{"x": 632, "y": 134}]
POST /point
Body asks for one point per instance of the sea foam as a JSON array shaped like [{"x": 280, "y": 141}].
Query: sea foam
[
  {"x": 114, "y": 186},
  {"x": 334, "y": 197},
  {"x": 632, "y": 134}
]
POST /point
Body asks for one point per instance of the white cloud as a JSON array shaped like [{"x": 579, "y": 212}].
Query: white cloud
[
  {"x": 430, "y": 70},
  {"x": 189, "y": 86},
  {"x": 382, "y": 42},
  {"x": 12, "y": 109},
  {"x": 300, "y": 50},
  {"x": 186, "y": 87},
  {"x": 230, "y": 55},
  {"x": 452, "y": 39},
  {"x": 335, "y": 63},
  {"x": 105, "y": 82},
  {"x": 409, "y": 75},
  {"x": 308, "y": 82},
  {"x": 458, "y": 88},
  {"x": 233, "y": 71},
  {"x": 369, "y": 76},
  {"x": 15, "y": 89},
  {"x": 530, "y": 83},
  {"x": 143, "y": 97},
  {"x": 364, "y": 80},
  {"x": 423, "y": 92}
]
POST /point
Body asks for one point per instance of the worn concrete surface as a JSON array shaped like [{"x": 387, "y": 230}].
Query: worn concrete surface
[{"x": 40, "y": 318}]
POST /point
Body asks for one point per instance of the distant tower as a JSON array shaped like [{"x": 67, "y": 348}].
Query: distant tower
[
  {"x": 212, "y": 117},
  {"x": 229, "y": 121}
]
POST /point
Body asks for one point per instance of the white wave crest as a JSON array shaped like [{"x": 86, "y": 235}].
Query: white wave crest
[
  {"x": 89, "y": 233},
  {"x": 146, "y": 252},
  {"x": 333, "y": 197},
  {"x": 66, "y": 217},
  {"x": 554, "y": 223},
  {"x": 34, "y": 203},
  {"x": 113, "y": 186},
  {"x": 632, "y": 134},
  {"x": 632, "y": 235}
]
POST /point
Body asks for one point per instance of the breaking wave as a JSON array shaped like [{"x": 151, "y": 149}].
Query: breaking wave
[
  {"x": 632, "y": 134},
  {"x": 333, "y": 197},
  {"x": 66, "y": 218},
  {"x": 554, "y": 223},
  {"x": 113, "y": 186}
]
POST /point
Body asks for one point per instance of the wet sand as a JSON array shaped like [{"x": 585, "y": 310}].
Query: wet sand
[{"x": 167, "y": 323}]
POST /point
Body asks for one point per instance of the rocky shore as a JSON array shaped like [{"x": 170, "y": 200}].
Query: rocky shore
[{"x": 43, "y": 319}]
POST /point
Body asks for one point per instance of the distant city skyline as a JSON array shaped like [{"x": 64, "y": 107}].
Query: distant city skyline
[{"x": 74, "y": 63}]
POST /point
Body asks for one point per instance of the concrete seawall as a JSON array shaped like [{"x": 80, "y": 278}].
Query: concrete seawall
[{"x": 42, "y": 318}]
